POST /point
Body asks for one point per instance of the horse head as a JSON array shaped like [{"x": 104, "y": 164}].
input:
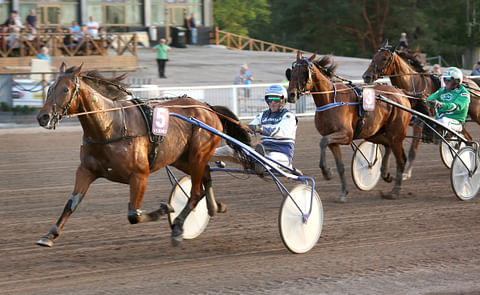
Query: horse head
[
  {"x": 380, "y": 63},
  {"x": 61, "y": 97},
  {"x": 299, "y": 77}
]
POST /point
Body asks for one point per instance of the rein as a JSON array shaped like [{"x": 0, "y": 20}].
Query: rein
[{"x": 173, "y": 106}]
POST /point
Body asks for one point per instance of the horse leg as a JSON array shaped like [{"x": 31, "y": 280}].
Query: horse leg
[
  {"x": 212, "y": 205},
  {"x": 401, "y": 159},
  {"x": 83, "y": 179},
  {"x": 386, "y": 164},
  {"x": 466, "y": 134},
  {"x": 196, "y": 194},
  {"x": 335, "y": 148},
  {"x": 412, "y": 153},
  {"x": 138, "y": 185},
  {"x": 327, "y": 174}
]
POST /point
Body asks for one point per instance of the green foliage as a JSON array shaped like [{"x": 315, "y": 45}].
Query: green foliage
[
  {"x": 24, "y": 110},
  {"x": 355, "y": 27},
  {"x": 241, "y": 16}
]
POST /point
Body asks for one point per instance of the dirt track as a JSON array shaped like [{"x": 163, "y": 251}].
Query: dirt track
[{"x": 425, "y": 242}]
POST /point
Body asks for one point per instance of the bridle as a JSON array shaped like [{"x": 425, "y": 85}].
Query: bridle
[
  {"x": 56, "y": 117},
  {"x": 386, "y": 66},
  {"x": 296, "y": 65}
]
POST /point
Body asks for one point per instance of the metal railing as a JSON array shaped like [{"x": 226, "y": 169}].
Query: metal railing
[{"x": 245, "y": 101}]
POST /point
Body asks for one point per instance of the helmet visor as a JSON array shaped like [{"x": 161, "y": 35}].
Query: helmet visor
[
  {"x": 447, "y": 79},
  {"x": 271, "y": 99}
]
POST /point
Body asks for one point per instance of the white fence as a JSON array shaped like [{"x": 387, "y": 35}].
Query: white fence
[{"x": 244, "y": 101}]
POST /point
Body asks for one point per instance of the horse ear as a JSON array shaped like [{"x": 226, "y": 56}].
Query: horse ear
[
  {"x": 299, "y": 55},
  {"x": 394, "y": 46},
  {"x": 288, "y": 74},
  {"x": 312, "y": 58},
  {"x": 385, "y": 43},
  {"x": 79, "y": 69},
  {"x": 63, "y": 67}
]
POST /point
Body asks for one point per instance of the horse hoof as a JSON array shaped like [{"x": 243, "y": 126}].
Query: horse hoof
[
  {"x": 406, "y": 176},
  {"x": 342, "y": 198},
  {"x": 327, "y": 174},
  {"x": 388, "y": 196},
  {"x": 45, "y": 242},
  {"x": 387, "y": 178},
  {"x": 222, "y": 208},
  {"x": 177, "y": 240}
]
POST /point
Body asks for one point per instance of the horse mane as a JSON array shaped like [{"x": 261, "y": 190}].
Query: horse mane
[
  {"x": 326, "y": 65},
  {"x": 111, "y": 88},
  {"x": 412, "y": 57}
]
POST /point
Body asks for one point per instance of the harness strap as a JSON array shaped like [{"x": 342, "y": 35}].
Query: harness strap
[{"x": 334, "y": 105}]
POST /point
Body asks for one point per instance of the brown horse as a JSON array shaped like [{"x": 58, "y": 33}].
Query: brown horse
[
  {"x": 338, "y": 118},
  {"x": 416, "y": 82},
  {"x": 118, "y": 146}
]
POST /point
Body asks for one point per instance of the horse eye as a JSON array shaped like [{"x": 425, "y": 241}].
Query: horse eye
[{"x": 65, "y": 90}]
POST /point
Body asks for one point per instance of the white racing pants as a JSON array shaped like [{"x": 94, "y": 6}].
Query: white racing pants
[
  {"x": 227, "y": 154},
  {"x": 451, "y": 123}
]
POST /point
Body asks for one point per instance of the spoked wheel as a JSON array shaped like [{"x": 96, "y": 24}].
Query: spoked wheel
[
  {"x": 198, "y": 218},
  {"x": 446, "y": 152},
  {"x": 366, "y": 165},
  {"x": 299, "y": 236},
  {"x": 465, "y": 174}
]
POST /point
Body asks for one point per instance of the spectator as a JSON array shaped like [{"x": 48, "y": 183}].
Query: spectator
[
  {"x": 403, "y": 42},
  {"x": 74, "y": 28},
  {"x": 436, "y": 70},
  {"x": 31, "y": 19},
  {"x": 162, "y": 57},
  {"x": 476, "y": 69},
  {"x": 30, "y": 32},
  {"x": 102, "y": 33},
  {"x": 4, "y": 38},
  {"x": 14, "y": 38},
  {"x": 192, "y": 26},
  {"x": 244, "y": 77},
  {"x": 92, "y": 27},
  {"x": 186, "y": 25},
  {"x": 13, "y": 20},
  {"x": 44, "y": 55}
]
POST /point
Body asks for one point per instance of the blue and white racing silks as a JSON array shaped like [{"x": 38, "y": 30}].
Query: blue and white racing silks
[{"x": 279, "y": 131}]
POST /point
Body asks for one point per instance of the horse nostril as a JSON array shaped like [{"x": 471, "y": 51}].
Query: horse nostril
[
  {"x": 43, "y": 119},
  {"x": 292, "y": 96},
  {"x": 366, "y": 78}
]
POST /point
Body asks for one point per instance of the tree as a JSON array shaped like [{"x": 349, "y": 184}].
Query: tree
[{"x": 241, "y": 17}]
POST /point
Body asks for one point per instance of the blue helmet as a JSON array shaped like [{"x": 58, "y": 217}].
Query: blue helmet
[{"x": 277, "y": 91}]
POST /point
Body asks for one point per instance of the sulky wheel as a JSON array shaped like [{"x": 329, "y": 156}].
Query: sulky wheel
[
  {"x": 366, "y": 165},
  {"x": 299, "y": 236},
  {"x": 446, "y": 153},
  {"x": 198, "y": 218},
  {"x": 465, "y": 174}
]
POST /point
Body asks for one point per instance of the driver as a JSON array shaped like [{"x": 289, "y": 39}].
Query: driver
[
  {"x": 451, "y": 101},
  {"x": 277, "y": 128}
]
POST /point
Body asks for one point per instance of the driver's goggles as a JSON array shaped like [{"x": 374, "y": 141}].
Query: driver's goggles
[
  {"x": 447, "y": 79},
  {"x": 273, "y": 99}
]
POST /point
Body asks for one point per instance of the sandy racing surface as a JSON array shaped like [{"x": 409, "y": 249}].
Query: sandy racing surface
[{"x": 425, "y": 242}]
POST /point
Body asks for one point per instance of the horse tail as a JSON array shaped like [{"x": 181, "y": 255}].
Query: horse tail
[
  {"x": 235, "y": 130},
  {"x": 230, "y": 127}
]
